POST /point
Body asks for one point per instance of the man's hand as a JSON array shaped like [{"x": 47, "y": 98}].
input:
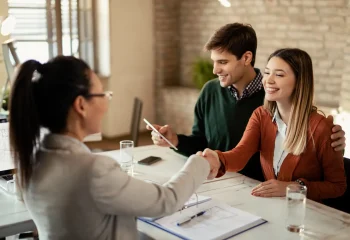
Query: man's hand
[
  {"x": 338, "y": 136},
  {"x": 167, "y": 132},
  {"x": 271, "y": 188},
  {"x": 213, "y": 159}
]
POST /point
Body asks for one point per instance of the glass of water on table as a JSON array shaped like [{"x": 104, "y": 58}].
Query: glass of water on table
[
  {"x": 126, "y": 156},
  {"x": 296, "y": 207}
]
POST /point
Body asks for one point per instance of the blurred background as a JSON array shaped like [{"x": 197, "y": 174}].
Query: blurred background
[{"x": 153, "y": 49}]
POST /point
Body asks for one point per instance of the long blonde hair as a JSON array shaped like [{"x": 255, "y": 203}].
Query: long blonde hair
[{"x": 302, "y": 98}]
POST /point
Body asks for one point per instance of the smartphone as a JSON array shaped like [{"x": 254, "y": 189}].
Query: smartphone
[
  {"x": 149, "y": 160},
  {"x": 150, "y": 125}
]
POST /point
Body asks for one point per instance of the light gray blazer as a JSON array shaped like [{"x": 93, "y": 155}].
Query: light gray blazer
[{"x": 75, "y": 194}]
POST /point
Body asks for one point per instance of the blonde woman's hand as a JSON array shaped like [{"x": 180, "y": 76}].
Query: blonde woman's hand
[
  {"x": 213, "y": 159},
  {"x": 271, "y": 188}
]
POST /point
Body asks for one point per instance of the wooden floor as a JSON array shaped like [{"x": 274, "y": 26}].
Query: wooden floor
[{"x": 108, "y": 144}]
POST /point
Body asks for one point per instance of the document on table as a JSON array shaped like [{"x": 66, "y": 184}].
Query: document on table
[
  {"x": 196, "y": 199},
  {"x": 191, "y": 202},
  {"x": 220, "y": 221}
]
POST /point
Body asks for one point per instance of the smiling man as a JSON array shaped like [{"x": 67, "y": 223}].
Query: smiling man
[{"x": 225, "y": 104}]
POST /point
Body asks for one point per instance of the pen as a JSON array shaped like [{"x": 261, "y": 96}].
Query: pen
[{"x": 185, "y": 220}]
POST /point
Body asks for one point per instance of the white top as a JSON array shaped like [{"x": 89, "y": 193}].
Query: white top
[{"x": 279, "y": 153}]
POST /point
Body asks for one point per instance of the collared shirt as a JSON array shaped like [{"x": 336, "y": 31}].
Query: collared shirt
[
  {"x": 279, "y": 153},
  {"x": 253, "y": 87}
]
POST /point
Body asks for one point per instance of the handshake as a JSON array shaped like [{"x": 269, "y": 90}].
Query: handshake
[
  {"x": 210, "y": 155},
  {"x": 213, "y": 159}
]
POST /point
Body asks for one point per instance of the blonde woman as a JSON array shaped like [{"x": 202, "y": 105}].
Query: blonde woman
[{"x": 293, "y": 139}]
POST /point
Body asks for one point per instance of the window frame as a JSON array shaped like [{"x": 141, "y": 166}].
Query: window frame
[{"x": 85, "y": 10}]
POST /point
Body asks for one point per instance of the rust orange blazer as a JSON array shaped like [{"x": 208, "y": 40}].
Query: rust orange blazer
[{"x": 319, "y": 166}]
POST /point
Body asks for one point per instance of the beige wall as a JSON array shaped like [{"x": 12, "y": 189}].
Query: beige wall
[
  {"x": 132, "y": 63},
  {"x": 3, "y": 74}
]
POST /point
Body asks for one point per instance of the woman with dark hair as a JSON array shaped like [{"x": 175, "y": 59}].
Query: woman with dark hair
[
  {"x": 70, "y": 192},
  {"x": 292, "y": 137}
]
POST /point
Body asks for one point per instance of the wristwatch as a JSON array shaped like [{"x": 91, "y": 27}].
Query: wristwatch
[{"x": 301, "y": 182}]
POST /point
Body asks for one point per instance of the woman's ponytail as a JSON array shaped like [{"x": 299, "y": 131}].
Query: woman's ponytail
[
  {"x": 41, "y": 96},
  {"x": 24, "y": 120}
]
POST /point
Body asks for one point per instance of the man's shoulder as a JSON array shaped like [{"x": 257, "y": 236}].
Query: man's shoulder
[
  {"x": 211, "y": 85},
  {"x": 208, "y": 88}
]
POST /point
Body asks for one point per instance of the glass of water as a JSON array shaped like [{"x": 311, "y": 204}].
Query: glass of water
[
  {"x": 126, "y": 156},
  {"x": 296, "y": 207}
]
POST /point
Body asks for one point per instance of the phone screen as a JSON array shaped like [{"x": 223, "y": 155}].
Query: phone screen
[
  {"x": 155, "y": 130},
  {"x": 149, "y": 160}
]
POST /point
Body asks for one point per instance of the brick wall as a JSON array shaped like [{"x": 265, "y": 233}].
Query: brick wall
[
  {"x": 167, "y": 52},
  {"x": 166, "y": 25},
  {"x": 345, "y": 90},
  {"x": 177, "y": 104},
  {"x": 317, "y": 26}
]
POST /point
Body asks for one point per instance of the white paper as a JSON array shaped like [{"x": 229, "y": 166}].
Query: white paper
[
  {"x": 6, "y": 162},
  {"x": 193, "y": 200},
  {"x": 219, "y": 221}
]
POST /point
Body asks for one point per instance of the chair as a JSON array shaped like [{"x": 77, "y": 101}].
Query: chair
[
  {"x": 135, "y": 121},
  {"x": 342, "y": 203},
  {"x": 29, "y": 235}
]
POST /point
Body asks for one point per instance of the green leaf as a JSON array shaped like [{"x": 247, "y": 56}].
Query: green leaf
[{"x": 202, "y": 72}]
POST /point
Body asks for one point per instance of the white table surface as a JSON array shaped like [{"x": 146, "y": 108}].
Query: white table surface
[
  {"x": 161, "y": 171},
  {"x": 14, "y": 217},
  {"x": 321, "y": 222},
  {"x": 234, "y": 189}
]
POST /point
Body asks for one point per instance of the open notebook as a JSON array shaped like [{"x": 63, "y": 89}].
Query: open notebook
[
  {"x": 194, "y": 200},
  {"x": 220, "y": 221}
]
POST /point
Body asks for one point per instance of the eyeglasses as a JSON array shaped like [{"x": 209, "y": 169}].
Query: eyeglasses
[{"x": 107, "y": 94}]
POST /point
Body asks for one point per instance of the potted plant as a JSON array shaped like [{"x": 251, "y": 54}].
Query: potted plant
[
  {"x": 5, "y": 94},
  {"x": 202, "y": 72}
]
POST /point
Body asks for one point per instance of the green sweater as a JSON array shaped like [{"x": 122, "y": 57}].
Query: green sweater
[{"x": 219, "y": 124}]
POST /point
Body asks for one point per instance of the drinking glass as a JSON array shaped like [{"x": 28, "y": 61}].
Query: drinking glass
[
  {"x": 126, "y": 156},
  {"x": 296, "y": 207}
]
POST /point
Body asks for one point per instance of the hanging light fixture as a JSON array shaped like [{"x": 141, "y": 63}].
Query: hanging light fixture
[
  {"x": 225, "y": 3},
  {"x": 7, "y": 25}
]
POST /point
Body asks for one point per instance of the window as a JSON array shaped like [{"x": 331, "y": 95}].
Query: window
[
  {"x": 31, "y": 31},
  {"x": 47, "y": 28},
  {"x": 70, "y": 30}
]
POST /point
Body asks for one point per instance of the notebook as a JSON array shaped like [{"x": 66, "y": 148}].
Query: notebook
[
  {"x": 191, "y": 202},
  {"x": 220, "y": 221}
]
